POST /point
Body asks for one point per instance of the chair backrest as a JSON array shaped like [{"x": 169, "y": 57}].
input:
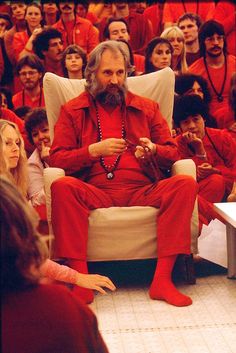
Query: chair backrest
[{"x": 158, "y": 86}]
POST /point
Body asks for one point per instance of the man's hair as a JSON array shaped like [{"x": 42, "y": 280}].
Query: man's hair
[
  {"x": 186, "y": 106},
  {"x": 106, "y": 32},
  {"x": 20, "y": 244},
  {"x": 192, "y": 17},
  {"x": 73, "y": 49},
  {"x": 149, "y": 67},
  {"x": 34, "y": 119},
  {"x": 184, "y": 82},
  {"x": 30, "y": 60},
  {"x": 41, "y": 42},
  {"x": 208, "y": 29},
  {"x": 95, "y": 59}
]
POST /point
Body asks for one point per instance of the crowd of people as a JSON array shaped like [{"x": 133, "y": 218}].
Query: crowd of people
[{"x": 103, "y": 137}]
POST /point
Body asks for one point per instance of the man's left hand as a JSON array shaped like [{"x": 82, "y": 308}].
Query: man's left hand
[
  {"x": 140, "y": 149},
  {"x": 206, "y": 169}
]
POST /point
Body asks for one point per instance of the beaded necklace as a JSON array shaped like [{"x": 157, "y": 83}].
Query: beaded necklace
[
  {"x": 109, "y": 168},
  {"x": 218, "y": 94}
]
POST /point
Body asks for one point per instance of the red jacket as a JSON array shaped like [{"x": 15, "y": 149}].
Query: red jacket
[
  {"x": 84, "y": 34},
  {"x": 224, "y": 160},
  {"x": 76, "y": 129}
]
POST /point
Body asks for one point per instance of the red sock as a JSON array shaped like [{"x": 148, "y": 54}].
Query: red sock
[
  {"x": 162, "y": 287},
  {"x": 84, "y": 294}
]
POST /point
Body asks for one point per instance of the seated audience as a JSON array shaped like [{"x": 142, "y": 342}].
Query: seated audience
[
  {"x": 178, "y": 59},
  {"x": 212, "y": 150},
  {"x": 81, "y": 10},
  {"x": 118, "y": 29},
  {"x": 14, "y": 166},
  {"x": 215, "y": 65},
  {"x": 75, "y": 29},
  {"x": 74, "y": 61},
  {"x": 174, "y": 9},
  {"x": 189, "y": 23},
  {"x": 188, "y": 84},
  {"x": 30, "y": 71},
  {"x": 50, "y": 12},
  {"x": 101, "y": 9},
  {"x": 23, "y": 41},
  {"x": 104, "y": 169},
  {"x": 158, "y": 55},
  {"x": 154, "y": 14},
  {"x": 36, "y": 317},
  {"x": 48, "y": 46}
]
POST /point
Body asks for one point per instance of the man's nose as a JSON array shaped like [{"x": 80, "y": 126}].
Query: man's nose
[
  {"x": 114, "y": 79},
  {"x": 41, "y": 135}
]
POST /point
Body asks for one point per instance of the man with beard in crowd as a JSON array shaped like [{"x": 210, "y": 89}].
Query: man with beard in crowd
[
  {"x": 92, "y": 143},
  {"x": 215, "y": 64}
]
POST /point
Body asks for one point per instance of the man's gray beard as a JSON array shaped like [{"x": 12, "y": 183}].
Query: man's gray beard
[{"x": 111, "y": 95}]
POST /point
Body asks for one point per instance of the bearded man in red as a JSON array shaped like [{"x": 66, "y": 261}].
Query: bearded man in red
[{"x": 90, "y": 143}]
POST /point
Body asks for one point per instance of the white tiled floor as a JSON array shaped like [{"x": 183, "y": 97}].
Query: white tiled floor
[{"x": 132, "y": 323}]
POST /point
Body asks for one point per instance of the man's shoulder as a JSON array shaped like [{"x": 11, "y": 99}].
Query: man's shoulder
[
  {"x": 140, "y": 103},
  {"x": 79, "y": 102},
  {"x": 199, "y": 63},
  {"x": 83, "y": 22}
]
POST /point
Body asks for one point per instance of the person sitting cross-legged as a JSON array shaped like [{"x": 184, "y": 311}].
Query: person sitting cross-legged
[{"x": 101, "y": 139}]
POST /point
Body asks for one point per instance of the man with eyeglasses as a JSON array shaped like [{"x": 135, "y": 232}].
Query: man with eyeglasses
[
  {"x": 215, "y": 64},
  {"x": 30, "y": 71}
]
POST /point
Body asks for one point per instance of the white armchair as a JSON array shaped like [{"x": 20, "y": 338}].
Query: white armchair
[{"x": 119, "y": 233}]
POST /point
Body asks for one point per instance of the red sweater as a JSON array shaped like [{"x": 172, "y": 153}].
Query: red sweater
[{"x": 48, "y": 318}]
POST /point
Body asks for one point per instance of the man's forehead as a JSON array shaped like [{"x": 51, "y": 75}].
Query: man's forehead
[
  {"x": 116, "y": 55},
  {"x": 187, "y": 20}
]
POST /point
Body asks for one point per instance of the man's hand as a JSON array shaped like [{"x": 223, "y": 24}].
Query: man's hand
[
  {"x": 206, "y": 169},
  {"x": 109, "y": 147},
  {"x": 44, "y": 154},
  {"x": 191, "y": 139},
  {"x": 140, "y": 149}
]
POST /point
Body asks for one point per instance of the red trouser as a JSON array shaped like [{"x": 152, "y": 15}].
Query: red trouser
[
  {"x": 212, "y": 188},
  {"x": 72, "y": 199}
]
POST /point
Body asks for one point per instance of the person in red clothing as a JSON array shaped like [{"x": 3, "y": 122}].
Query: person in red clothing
[
  {"x": 118, "y": 29},
  {"x": 75, "y": 29},
  {"x": 30, "y": 70},
  {"x": 103, "y": 170},
  {"x": 189, "y": 24},
  {"x": 215, "y": 65},
  {"x": 212, "y": 150},
  {"x": 82, "y": 11},
  {"x": 174, "y": 9},
  {"x": 225, "y": 13},
  {"x": 140, "y": 28},
  {"x": 36, "y": 317},
  {"x": 49, "y": 47}
]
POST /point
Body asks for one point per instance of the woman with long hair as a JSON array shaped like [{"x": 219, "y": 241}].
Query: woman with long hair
[
  {"x": 158, "y": 55},
  {"x": 176, "y": 38},
  {"x": 36, "y": 317}
]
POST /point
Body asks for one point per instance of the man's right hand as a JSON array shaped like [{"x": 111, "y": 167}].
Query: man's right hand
[
  {"x": 109, "y": 147},
  {"x": 196, "y": 143}
]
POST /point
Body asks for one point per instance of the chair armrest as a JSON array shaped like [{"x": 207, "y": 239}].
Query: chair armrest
[{"x": 185, "y": 167}]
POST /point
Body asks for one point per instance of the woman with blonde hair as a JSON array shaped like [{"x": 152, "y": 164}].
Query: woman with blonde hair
[
  {"x": 176, "y": 38},
  {"x": 13, "y": 158}
]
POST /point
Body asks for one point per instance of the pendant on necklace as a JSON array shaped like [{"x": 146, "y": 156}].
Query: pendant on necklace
[
  {"x": 110, "y": 175},
  {"x": 220, "y": 99}
]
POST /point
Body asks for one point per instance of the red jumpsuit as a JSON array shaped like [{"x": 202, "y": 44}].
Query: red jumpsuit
[{"x": 72, "y": 198}]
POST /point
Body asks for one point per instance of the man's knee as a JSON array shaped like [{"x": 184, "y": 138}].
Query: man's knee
[
  {"x": 185, "y": 181},
  {"x": 62, "y": 185}
]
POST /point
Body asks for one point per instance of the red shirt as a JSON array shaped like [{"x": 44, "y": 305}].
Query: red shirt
[
  {"x": 20, "y": 40},
  {"x": 174, "y": 9},
  {"x": 83, "y": 34},
  {"x": 22, "y": 98},
  {"x": 225, "y": 14},
  {"x": 217, "y": 77},
  {"x": 48, "y": 318},
  {"x": 76, "y": 129},
  {"x": 154, "y": 14},
  {"x": 139, "y": 61}
]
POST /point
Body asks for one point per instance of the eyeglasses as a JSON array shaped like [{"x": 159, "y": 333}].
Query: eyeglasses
[
  {"x": 29, "y": 73},
  {"x": 214, "y": 38}
]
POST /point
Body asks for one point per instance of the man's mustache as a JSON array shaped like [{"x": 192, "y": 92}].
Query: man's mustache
[
  {"x": 68, "y": 7},
  {"x": 216, "y": 47}
]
